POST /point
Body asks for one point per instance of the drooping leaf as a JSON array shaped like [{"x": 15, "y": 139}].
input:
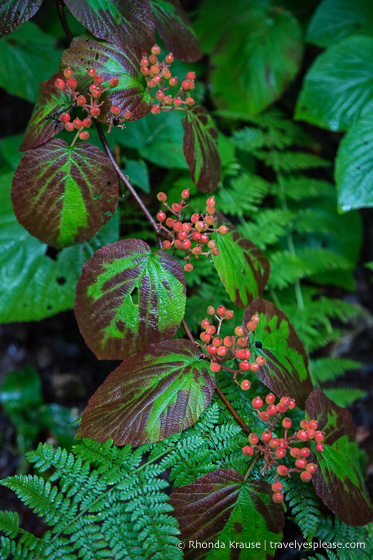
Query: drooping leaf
[
  {"x": 338, "y": 480},
  {"x": 15, "y": 12},
  {"x": 354, "y": 166},
  {"x": 175, "y": 29},
  {"x": 32, "y": 285},
  {"x": 334, "y": 20},
  {"x": 200, "y": 149},
  {"x": 220, "y": 508},
  {"x": 44, "y": 122},
  {"x": 157, "y": 393},
  {"x": 110, "y": 61},
  {"x": 260, "y": 54},
  {"x": 128, "y": 297},
  {"x": 22, "y": 67},
  {"x": 61, "y": 194},
  {"x": 286, "y": 369},
  {"x": 242, "y": 267},
  {"x": 338, "y": 87},
  {"x": 122, "y": 22}
]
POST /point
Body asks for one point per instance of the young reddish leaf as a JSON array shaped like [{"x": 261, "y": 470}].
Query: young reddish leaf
[
  {"x": 128, "y": 297},
  {"x": 44, "y": 122},
  {"x": 152, "y": 395},
  {"x": 122, "y": 22},
  {"x": 111, "y": 61},
  {"x": 338, "y": 480},
  {"x": 221, "y": 508},
  {"x": 200, "y": 149},
  {"x": 61, "y": 194},
  {"x": 242, "y": 267},
  {"x": 15, "y": 12},
  {"x": 286, "y": 369},
  {"x": 175, "y": 29}
]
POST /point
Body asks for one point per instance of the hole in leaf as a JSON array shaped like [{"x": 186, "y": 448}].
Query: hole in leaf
[
  {"x": 97, "y": 196},
  {"x": 135, "y": 296},
  {"x": 49, "y": 307},
  {"x": 109, "y": 182},
  {"x": 61, "y": 280},
  {"x": 52, "y": 253},
  {"x": 96, "y": 56}
]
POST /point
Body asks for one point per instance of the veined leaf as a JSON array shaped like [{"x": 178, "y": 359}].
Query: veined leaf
[
  {"x": 128, "y": 297},
  {"x": 175, "y": 29},
  {"x": 15, "y": 12},
  {"x": 152, "y": 395},
  {"x": 200, "y": 149},
  {"x": 220, "y": 508},
  {"x": 110, "y": 61},
  {"x": 61, "y": 194},
  {"x": 123, "y": 22},
  {"x": 338, "y": 480},
  {"x": 286, "y": 369},
  {"x": 242, "y": 267}
]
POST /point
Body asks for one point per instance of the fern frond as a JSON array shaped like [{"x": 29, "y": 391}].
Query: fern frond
[
  {"x": 268, "y": 226},
  {"x": 345, "y": 396},
  {"x": 304, "y": 504},
  {"x": 298, "y": 187},
  {"x": 328, "y": 369},
  {"x": 288, "y": 162}
]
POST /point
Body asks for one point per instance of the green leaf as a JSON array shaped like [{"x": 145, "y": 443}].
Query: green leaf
[
  {"x": 32, "y": 285},
  {"x": 21, "y": 390},
  {"x": 286, "y": 369},
  {"x": 220, "y": 509},
  {"x": 9, "y": 150},
  {"x": 200, "y": 149},
  {"x": 152, "y": 395},
  {"x": 175, "y": 29},
  {"x": 63, "y": 195},
  {"x": 137, "y": 171},
  {"x": 128, "y": 297},
  {"x": 338, "y": 480},
  {"x": 261, "y": 52},
  {"x": 334, "y": 20},
  {"x": 338, "y": 87},
  {"x": 354, "y": 166},
  {"x": 119, "y": 61},
  {"x": 15, "y": 12},
  {"x": 22, "y": 68},
  {"x": 122, "y": 22},
  {"x": 242, "y": 267},
  {"x": 345, "y": 396}
]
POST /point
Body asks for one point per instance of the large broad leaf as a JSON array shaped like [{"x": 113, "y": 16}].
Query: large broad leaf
[
  {"x": 338, "y": 87},
  {"x": 175, "y": 29},
  {"x": 152, "y": 395},
  {"x": 44, "y": 122},
  {"x": 110, "y": 61},
  {"x": 200, "y": 149},
  {"x": 220, "y": 509},
  {"x": 128, "y": 297},
  {"x": 242, "y": 267},
  {"x": 123, "y": 22},
  {"x": 62, "y": 195},
  {"x": 335, "y": 20},
  {"x": 32, "y": 285},
  {"x": 354, "y": 166},
  {"x": 14, "y": 12},
  {"x": 22, "y": 67},
  {"x": 338, "y": 481},
  {"x": 286, "y": 369},
  {"x": 260, "y": 54}
]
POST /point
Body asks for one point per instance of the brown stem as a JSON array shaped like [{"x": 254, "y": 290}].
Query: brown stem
[
  {"x": 234, "y": 413},
  {"x": 61, "y": 13}
]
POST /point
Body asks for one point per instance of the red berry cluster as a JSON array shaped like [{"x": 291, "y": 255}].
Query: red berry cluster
[
  {"x": 90, "y": 106},
  {"x": 191, "y": 237},
  {"x": 158, "y": 74},
  {"x": 274, "y": 448},
  {"x": 230, "y": 347}
]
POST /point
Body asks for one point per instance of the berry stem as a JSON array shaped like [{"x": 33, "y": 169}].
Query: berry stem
[
  {"x": 61, "y": 13},
  {"x": 75, "y": 137},
  {"x": 252, "y": 465}
]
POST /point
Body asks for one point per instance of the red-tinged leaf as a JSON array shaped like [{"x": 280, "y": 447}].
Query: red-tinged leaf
[
  {"x": 219, "y": 509},
  {"x": 122, "y": 22},
  {"x": 15, "y": 12},
  {"x": 152, "y": 395},
  {"x": 61, "y": 194},
  {"x": 242, "y": 267},
  {"x": 338, "y": 480},
  {"x": 286, "y": 369},
  {"x": 128, "y": 298},
  {"x": 200, "y": 149},
  {"x": 175, "y": 29},
  {"x": 111, "y": 61},
  {"x": 44, "y": 122}
]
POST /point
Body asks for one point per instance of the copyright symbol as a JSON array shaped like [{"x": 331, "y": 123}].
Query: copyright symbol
[{"x": 180, "y": 545}]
